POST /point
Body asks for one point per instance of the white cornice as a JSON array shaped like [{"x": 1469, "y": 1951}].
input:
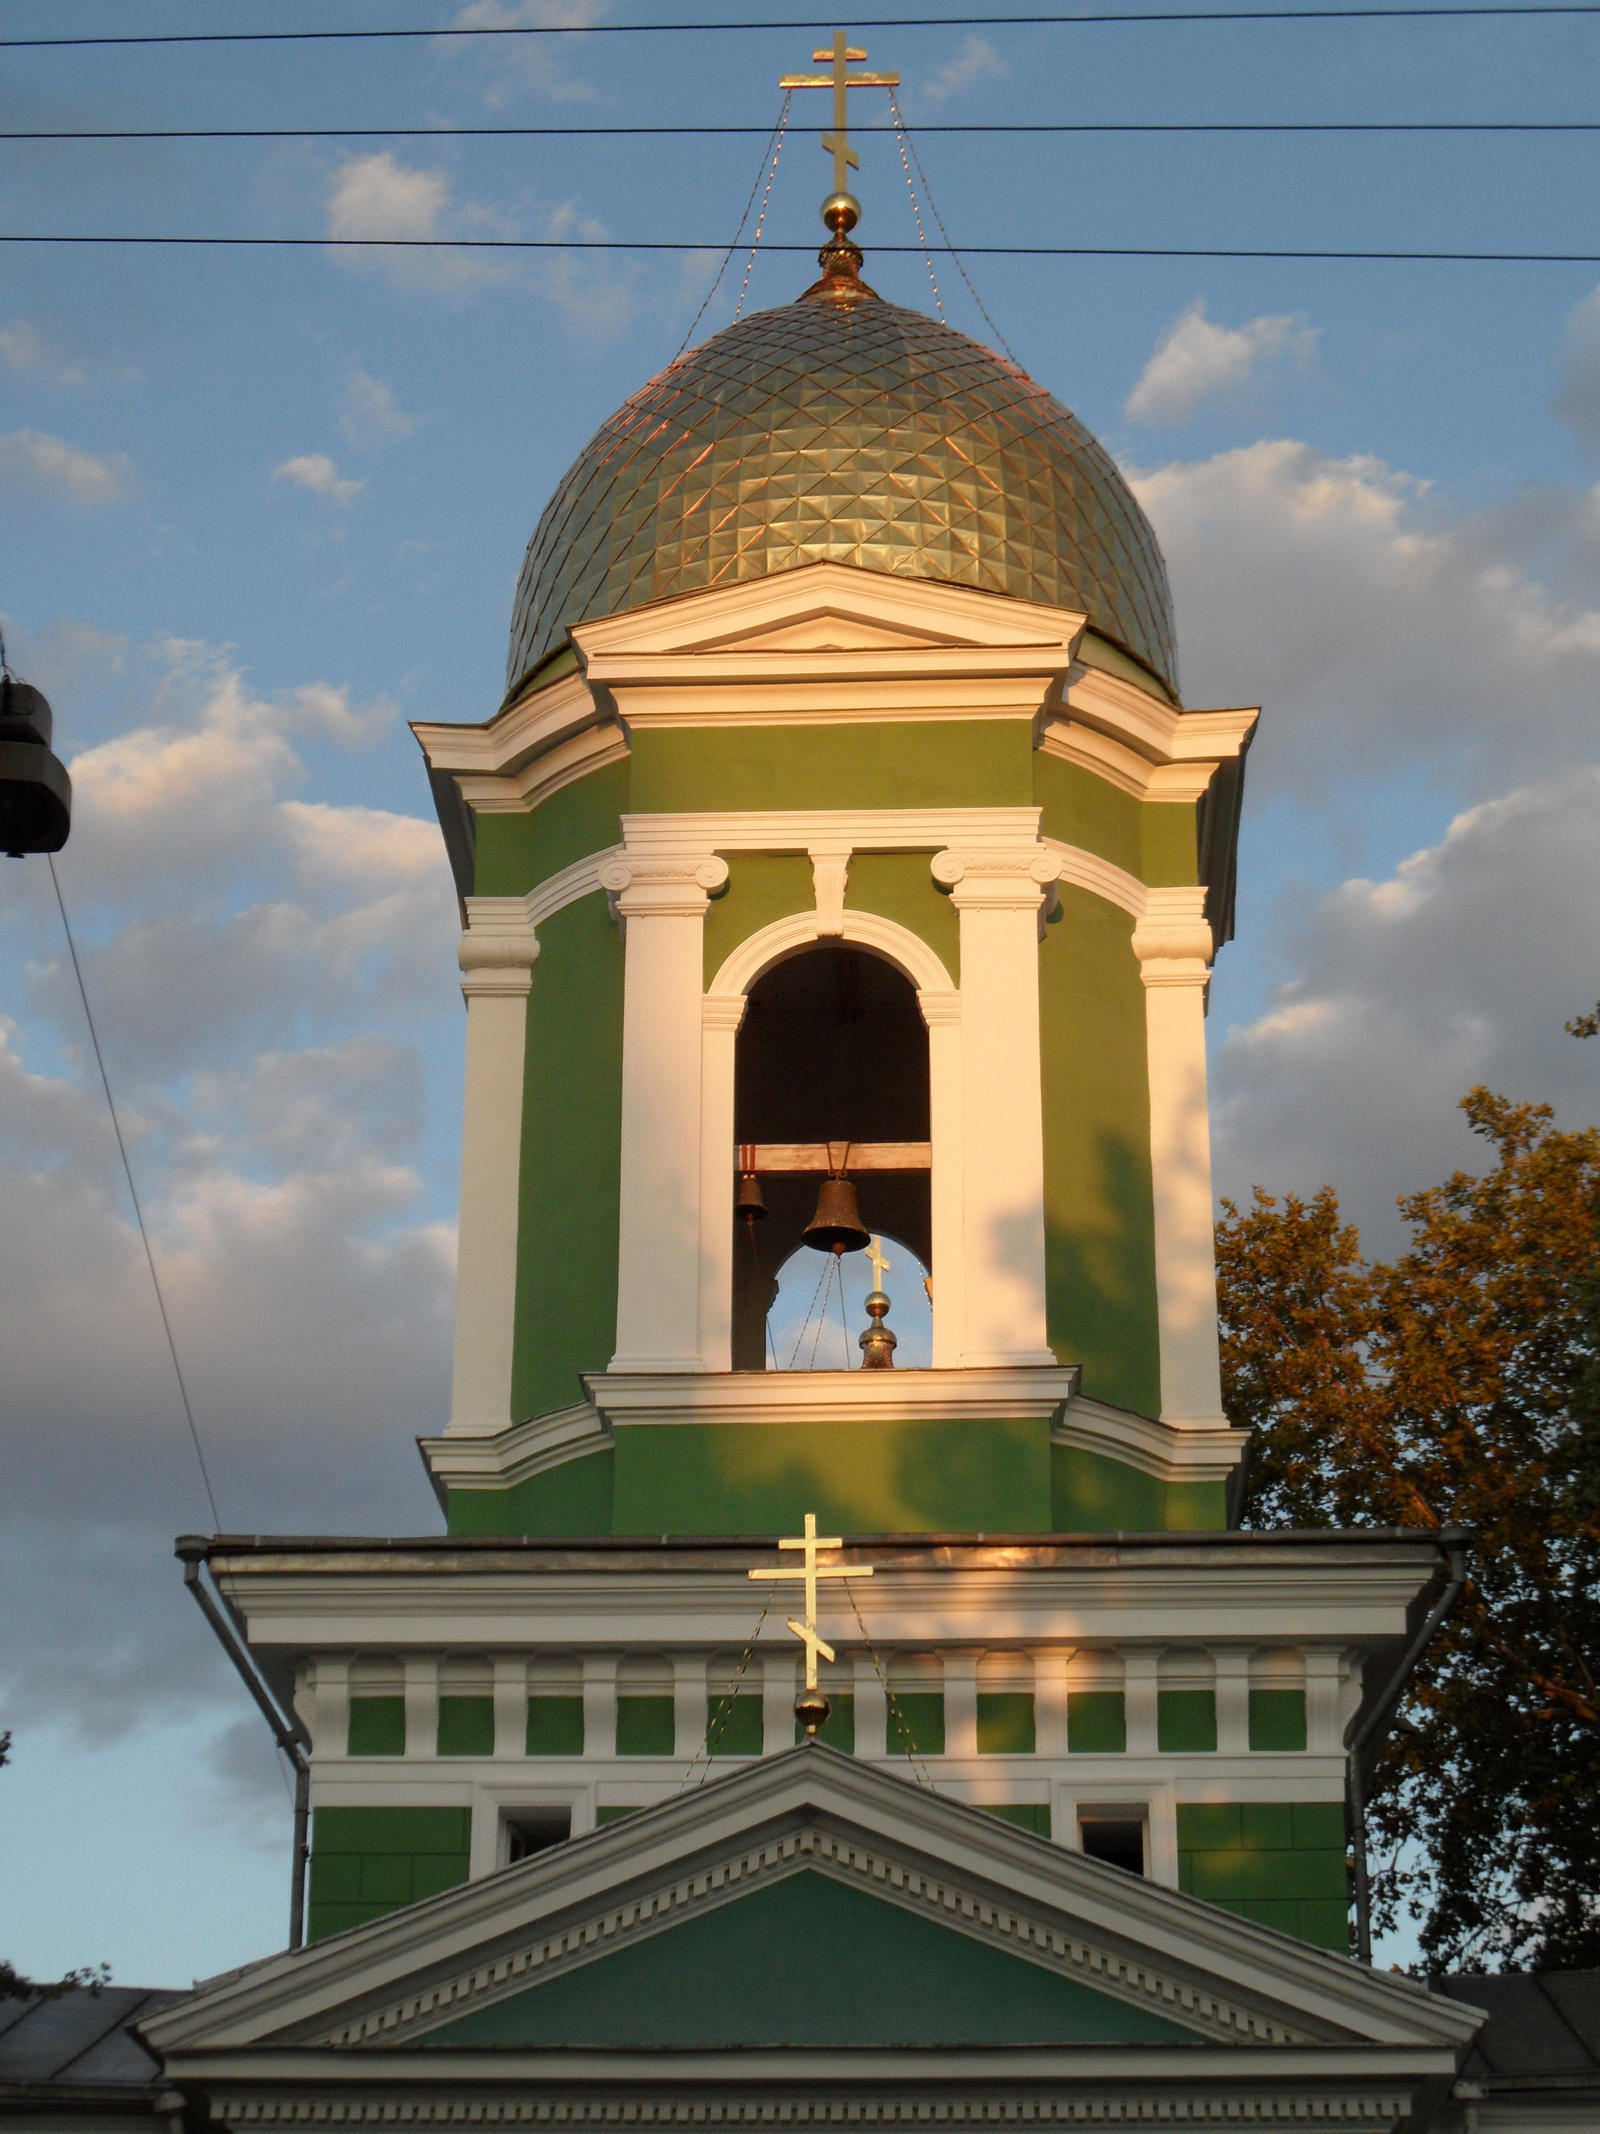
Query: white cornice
[
  {"x": 622, "y": 1398},
  {"x": 857, "y": 829},
  {"x": 1191, "y": 1453}
]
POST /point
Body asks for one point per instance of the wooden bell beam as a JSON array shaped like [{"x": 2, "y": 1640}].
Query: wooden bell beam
[{"x": 829, "y": 1158}]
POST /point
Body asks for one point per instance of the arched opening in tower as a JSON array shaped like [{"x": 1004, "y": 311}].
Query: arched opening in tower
[{"x": 832, "y": 1051}]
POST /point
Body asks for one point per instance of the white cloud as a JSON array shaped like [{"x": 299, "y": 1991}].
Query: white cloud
[
  {"x": 542, "y": 64},
  {"x": 1196, "y": 360},
  {"x": 316, "y": 471},
  {"x": 1577, "y": 397},
  {"x": 976, "y": 61},
  {"x": 378, "y": 196},
  {"x": 589, "y": 290},
  {"x": 1376, "y": 627},
  {"x": 1460, "y": 967},
  {"x": 34, "y": 461},
  {"x": 372, "y": 416}
]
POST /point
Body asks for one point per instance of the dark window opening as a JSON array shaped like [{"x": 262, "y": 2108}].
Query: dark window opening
[
  {"x": 1115, "y": 1840},
  {"x": 534, "y": 1830},
  {"x": 832, "y": 1048}
]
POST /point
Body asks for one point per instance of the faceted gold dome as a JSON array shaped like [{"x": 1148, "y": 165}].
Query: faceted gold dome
[{"x": 854, "y": 432}]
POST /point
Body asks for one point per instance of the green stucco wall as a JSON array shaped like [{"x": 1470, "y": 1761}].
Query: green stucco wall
[
  {"x": 1280, "y": 1863},
  {"x": 762, "y": 887},
  {"x": 1154, "y": 840},
  {"x": 810, "y": 1962},
  {"x": 572, "y": 1499},
  {"x": 956, "y": 763},
  {"x": 369, "y": 1861},
  {"x": 900, "y": 886},
  {"x": 517, "y": 852},
  {"x": 572, "y": 1133},
  {"x": 1094, "y": 1494},
  {"x": 1099, "y": 1205},
  {"x": 859, "y": 1478}
]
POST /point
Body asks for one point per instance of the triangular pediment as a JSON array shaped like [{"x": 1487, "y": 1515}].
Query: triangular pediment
[{"x": 722, "y": 1904}]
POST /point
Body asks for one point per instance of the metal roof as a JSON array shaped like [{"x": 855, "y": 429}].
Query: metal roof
[
  {"x": 79, "y": 2045},
  {"x": 852, "y": 430}
]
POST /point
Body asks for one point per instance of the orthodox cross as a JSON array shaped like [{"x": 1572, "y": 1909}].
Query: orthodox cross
[
  {"x": 878, "y": 1262},
  {"x": 841, "y": 81},
  {"x": 811, "y": 1571}
]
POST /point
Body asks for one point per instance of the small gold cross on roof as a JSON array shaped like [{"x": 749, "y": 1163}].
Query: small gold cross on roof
[
  {"x": 811, "y": 1571},
  {"x": 879, "y": 1262},
  {"x": 841, "y": 81}
]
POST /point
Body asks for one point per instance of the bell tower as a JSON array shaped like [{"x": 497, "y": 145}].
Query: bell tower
[{"x": 840, "y": 869}]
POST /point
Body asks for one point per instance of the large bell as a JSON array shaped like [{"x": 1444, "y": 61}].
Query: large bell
[
  {"x": 836, "y": 1226},
  {"x": 35, "y": 791}
]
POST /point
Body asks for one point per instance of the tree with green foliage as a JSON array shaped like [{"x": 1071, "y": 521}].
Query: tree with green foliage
[{"x": 1457, "y": 1387}]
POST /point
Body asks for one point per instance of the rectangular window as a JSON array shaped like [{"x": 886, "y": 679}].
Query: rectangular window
[
  {"x": 1005, "y": 1722},
  {"x": 645, "y": 1726},
  {"x": 466, "y": 1726},
  {"x": 377, "y": 1726},
  {"x": 1186, "y": 1720},
  {"x": 838, "y": 1730},
  {"x": 555, "y": 1726},
  {"x": 733, "y": 1726},
  {"x": 1096, "y": 1724},
  {"x": 535, "y": 1830},
  {"x": 916, "y": 1722},
  {"x": 1114, "y": 1836},
  {"x": 1277, "y": 1719}
]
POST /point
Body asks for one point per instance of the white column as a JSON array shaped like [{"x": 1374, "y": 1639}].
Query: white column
[
  {"x": 661, "y": 899},
  {"x": 720, "y": 1027},
  {"x": 1323, "y": 1671},
  {"x": 1050, "y": 1669},
  {"x": 1173, "y": 944},
  {"x": 998, "y": 894},
  {"x": 1233, "y": 1700},
  {"x": 330, "y": 1723},
  {"x": 942, "y": 1014},
  {"x": 422, "y": 1706},
  {"x": 690, "y": 1705},
  {"x": 778, "y": 1678},
  {"x": 1140, "y": 1708},
  {"x": 872, "y": 1710},
  {"x": 498, "y": 952}
]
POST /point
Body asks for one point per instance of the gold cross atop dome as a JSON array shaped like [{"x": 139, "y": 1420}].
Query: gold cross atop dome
[
  {"x": 879, "y": 1261},
  {"x": 841, "y": 81},
  {"x": 810, "y": 1570}
]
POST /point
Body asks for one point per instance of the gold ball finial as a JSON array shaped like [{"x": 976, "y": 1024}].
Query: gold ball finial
[
  {"x": 811, "y": 1708},
  {"x": 841, "y": 212}
]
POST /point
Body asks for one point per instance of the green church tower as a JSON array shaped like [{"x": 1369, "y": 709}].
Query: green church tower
[{"x": 842, "y": 830}]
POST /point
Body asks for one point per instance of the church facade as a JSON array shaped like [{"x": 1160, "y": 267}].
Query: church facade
[{"x": 842, "y": 828}]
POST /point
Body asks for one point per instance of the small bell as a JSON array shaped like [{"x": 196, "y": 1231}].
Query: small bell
[
  {"x": 749, "y": 1202},
  {"x": 35, "y": 791},
  {"x": 836, "y": 1226}
]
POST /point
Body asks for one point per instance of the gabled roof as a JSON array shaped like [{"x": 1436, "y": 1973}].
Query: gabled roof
[
  {"x": 77, "y": 2049},
  {"x": 684, "y": 1954}
]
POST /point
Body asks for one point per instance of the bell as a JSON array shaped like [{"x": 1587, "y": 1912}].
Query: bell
[
  {"x": 749, "y": 1203},
  {"x": 836, "y": 1226},
  {"x": 35, "y": 791}
]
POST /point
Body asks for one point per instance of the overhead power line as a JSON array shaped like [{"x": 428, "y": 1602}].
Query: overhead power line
[
  {"x": 681, "y": 245},
  {"x": 1048, "y": 126},
  {"x": 805, "y": 22}
]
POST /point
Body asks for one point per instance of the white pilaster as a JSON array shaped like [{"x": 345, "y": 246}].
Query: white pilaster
[
  {"x": 778, "y": 1679},
  {"x": 999, "y": 893},
  {"x": 720, "y": 1020},
  {"x": 1050, "y": 1671},
  {"x": 330, "y": 1724},
  {"x": 1324, "y": 1671},
  {"x": 872, "y": 1711},
  {"x": 1140, "y": 1706},
  {"x": 600, "y": 1705},
  {"x": 690, "y": 1705},
  {"x": 960, "y": 1704},
  {"x": 497, "y": 955},
  {"x": 510, "y": 1706},
  {"x": 1173, "y": 944},
  {"x": 661, "y": 899},
  {"x": 422, "y": 1706},
  {"x": 1233, "y": 1700},
  {"x": 942, "y": 1014}
]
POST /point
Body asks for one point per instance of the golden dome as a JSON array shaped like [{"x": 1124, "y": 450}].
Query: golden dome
[{"x": 843, "y": 428}]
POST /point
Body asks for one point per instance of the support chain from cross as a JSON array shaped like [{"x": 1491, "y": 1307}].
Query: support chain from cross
[{"x": 812, "y": 1707}]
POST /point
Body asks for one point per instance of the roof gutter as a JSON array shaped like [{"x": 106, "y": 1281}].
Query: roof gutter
[
  {"x": 287, "y": 1730},
  {"x": 1362, "y": 1748}
]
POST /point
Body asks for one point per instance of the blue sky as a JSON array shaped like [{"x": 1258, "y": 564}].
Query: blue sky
[{"x": 266, "y": 506}]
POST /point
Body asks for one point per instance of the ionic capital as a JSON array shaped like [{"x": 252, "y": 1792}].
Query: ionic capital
[
  {"x": 997, "y": 878},
  {"x": 662, "y": 885}
]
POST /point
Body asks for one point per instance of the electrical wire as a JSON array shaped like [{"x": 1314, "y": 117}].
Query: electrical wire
[
  {"x": 694, "y": 133},
  {"x": 680, "y": 245},
  {"x": 802, "y": 22},
  {"x": 133, "y": 1194},
  {"x": 773, "y": 134}
]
